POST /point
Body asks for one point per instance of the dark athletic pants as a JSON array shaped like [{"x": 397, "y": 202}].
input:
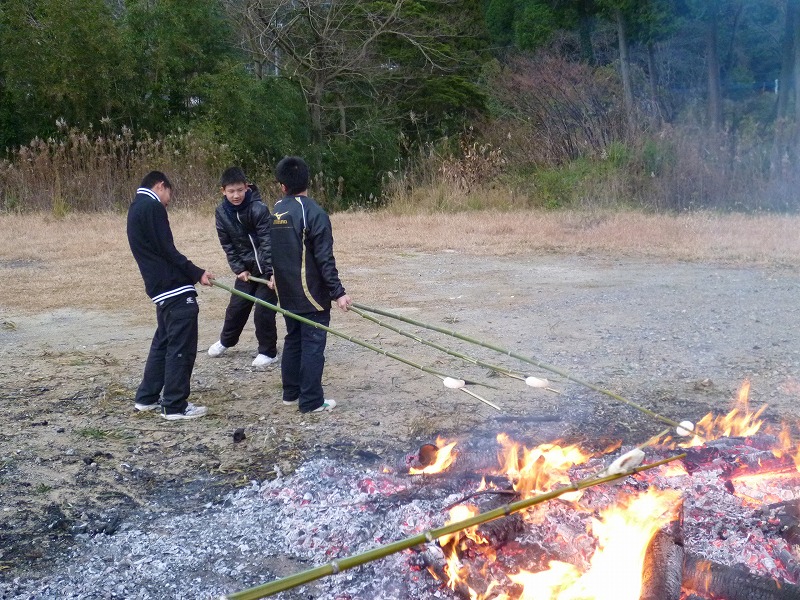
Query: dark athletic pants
[
  {"x": 303, "y": 360},
  {"x": 238, "y": 312},
  {"x": 172, "y": 354}
]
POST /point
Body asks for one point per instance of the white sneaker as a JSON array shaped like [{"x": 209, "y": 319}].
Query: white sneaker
[
  {"x": 190, "y": 412},
  {"x": 262, "y": 360},
  {"x": 143, "y": 407},
  {"x": 326, "y": 405},
  {"x": 216, "y": 349}
]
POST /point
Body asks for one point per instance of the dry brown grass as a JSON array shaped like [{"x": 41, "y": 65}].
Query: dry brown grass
[{"x": 83, "y": 261}]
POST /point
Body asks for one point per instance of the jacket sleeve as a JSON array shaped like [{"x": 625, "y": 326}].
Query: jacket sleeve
[
  {"x": 262, "y": 224},
  {"x": 236, "y": 264},
  {"x": 321, "y": 241},
  {"x": 166, "y": 244}
]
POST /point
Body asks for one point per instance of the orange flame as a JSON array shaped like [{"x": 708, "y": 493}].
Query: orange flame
[
  {"x": 459, "y": 541},
  {"x": 788, "y": 445},
  {"x": 444, "y": 458},
  {"x": 738, "y": 422},
  {"x": 539, "y": 469},
  {"x": 623, "y": 534}
]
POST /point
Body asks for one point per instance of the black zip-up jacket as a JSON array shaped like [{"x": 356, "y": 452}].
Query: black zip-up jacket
[
  {"x": 166, "y": 272},
  {"x": 244, "y": 234},
  {"x": 306, "y": 278}
]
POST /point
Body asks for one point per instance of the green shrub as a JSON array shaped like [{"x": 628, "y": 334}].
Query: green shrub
[{"x": 352, "y": 168}]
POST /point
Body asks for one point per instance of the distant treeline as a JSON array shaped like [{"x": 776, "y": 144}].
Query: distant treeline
[{"x": 432, "y": 104}]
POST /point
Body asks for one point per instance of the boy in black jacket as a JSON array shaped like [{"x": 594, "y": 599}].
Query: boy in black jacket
[
  {"x": 243, "y": 223},
  {"x": 169, "y": 279},
  {"x": 306, "y": 280}
]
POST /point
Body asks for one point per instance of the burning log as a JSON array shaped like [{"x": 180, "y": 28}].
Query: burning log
[
  {"x": 463, "y": 460},
  {"x": 709, "y": 579},
  {"x": 662, "y": 572},
  {"x": 788, "y": 515},
  {"x": 663, "y": 569},
  {"x": 760, "y": 462}
]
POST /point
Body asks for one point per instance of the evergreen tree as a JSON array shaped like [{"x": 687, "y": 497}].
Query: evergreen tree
[{"x": 60, "y": 60}]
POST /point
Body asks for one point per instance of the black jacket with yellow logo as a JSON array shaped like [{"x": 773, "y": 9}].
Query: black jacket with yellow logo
[{"x": 306, "y": 278}]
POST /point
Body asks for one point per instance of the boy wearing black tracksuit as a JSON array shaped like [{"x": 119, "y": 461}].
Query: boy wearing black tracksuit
[
  {"x": 306, "y": 281},
  {"x": 243, "y": 228},
  {"x": 169, "y": 280}
]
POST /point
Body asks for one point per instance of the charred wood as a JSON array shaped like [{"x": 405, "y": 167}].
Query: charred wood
[
  {"x": 662, "y": 571},
  {"x": 760, "y": 441},
  {"x": 788, "y": 515},
  {"x": 719, "y": 581},
  {"x": 474, "y": 461},
  {"x": 790, "y": 563},
  {"x": 500, "y": 531},
  {"x": 763, "y": 463}
]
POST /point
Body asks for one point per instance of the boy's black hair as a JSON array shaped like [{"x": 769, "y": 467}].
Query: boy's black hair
[
  {"x": 292, "y": 171},
  {"x": 153, "y": 178},
  {"x": 231, "y": 176}
]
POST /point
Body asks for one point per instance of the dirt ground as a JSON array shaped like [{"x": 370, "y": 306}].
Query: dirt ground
[{"x": 676, "y": 337}]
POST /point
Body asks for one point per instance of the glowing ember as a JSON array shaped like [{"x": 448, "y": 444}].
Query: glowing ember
[
  {"x": 764, "y": 488},
  {"x": 674, "y": 469}
]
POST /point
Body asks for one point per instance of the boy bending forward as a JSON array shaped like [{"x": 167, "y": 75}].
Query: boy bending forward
[{"x": 243, "y": 228}]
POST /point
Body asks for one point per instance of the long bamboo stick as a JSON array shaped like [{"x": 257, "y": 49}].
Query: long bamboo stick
[
  {"x": 337, "y": 566},
  {"x": 416, "y": 338},
  {"x": 526, "y": 359},
  {"x": 444, "y": 377}
]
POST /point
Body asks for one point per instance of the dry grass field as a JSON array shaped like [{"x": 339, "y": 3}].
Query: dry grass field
[{"x": 83, "y": 261}]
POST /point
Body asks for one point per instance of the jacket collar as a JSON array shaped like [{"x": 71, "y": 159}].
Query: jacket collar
[{"x": 148, "y": 192}]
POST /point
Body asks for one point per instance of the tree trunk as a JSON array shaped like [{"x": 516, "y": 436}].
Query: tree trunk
[
  {"x": 316, "y": 111},
  {"x": 730, "y": 55},
  {"x": 786, "y": 86},
  {"x": 585, "y": 36},
  {"x": 796, "y": 62},
  {"x": 787, "y": 91},
  {"x": 652, "y": 78},
  {"x": 624, "y": 67},
  {"x": 342, "y": 116},
  {"x": 712, "y": 64}
]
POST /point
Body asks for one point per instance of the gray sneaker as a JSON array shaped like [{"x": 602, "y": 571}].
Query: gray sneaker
[
  {"x": 143, "y": 407},
  {"x": 190, "y": 412}
]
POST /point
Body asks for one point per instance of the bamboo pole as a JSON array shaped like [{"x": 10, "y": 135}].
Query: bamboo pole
[
  {"x": 531, "y": 361},
  {"x": 337, "y": 566},
  {"x": 416, "y": 338},
  {"x": 444, "y": 377}
]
